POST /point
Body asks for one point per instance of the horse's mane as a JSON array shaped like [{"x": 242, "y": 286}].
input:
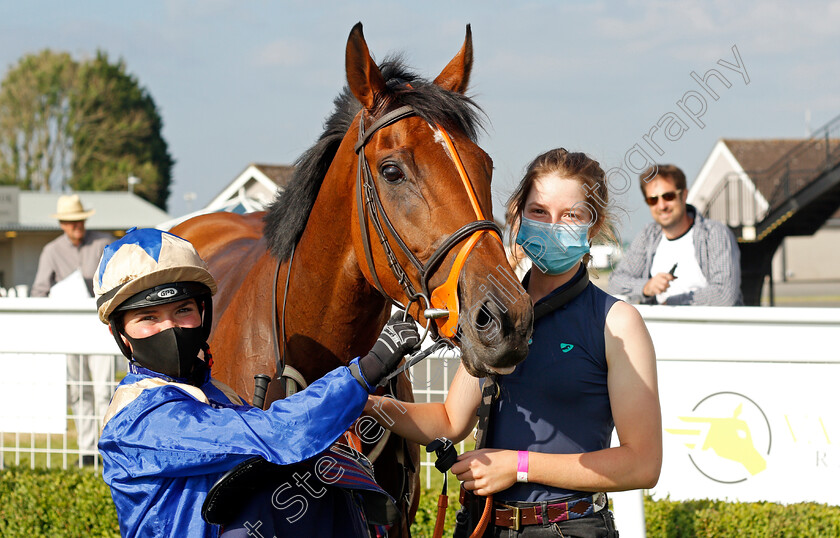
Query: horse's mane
[{"x": 288, "y": 213}]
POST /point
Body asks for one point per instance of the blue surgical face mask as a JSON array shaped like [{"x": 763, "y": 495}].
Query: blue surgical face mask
[{"x": 554, "y": 248}]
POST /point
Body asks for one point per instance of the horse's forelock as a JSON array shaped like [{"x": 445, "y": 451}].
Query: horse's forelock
[
  {"x": 431, "y": 102},
  {"x": 287, "y": 215}
]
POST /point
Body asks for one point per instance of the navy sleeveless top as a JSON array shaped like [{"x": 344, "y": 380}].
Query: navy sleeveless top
[{"x": 556, "y": 401}]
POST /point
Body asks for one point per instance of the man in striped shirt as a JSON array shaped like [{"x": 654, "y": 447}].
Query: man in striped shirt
[{"x": 681, "y": 258}]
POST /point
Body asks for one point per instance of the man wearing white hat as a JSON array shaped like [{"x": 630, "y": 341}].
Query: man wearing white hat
[{"x": 78, "y": 249}]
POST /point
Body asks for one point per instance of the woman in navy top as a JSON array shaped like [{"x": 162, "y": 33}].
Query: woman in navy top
[{"x": 591, "y": 367}]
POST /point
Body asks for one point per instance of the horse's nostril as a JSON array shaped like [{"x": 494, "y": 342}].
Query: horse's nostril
[
  {"x": 483, "y": 318},
  {"x": 487, "y": 322}
]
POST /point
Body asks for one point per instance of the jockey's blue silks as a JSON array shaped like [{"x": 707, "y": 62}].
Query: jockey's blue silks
[{"x": 554, "y": 248}]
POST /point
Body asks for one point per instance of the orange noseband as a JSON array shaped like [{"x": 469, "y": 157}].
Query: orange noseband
[{"x": 445, "y": 296}]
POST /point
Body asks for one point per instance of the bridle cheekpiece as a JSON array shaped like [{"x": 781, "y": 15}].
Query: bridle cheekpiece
[{"x": 442, "y": 303}]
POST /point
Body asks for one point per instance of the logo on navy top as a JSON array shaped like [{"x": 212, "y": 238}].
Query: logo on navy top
[{"x": 565, "y": 348}]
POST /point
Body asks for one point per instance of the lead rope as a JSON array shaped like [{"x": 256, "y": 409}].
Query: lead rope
[
  {"x": 440, "y": 518},
  {"x": 488, "y": 393},
  {"x": 446, "y": 457}
]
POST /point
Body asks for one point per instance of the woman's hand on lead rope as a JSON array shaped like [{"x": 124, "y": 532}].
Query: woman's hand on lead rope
[{"x": 486, "y": 471}]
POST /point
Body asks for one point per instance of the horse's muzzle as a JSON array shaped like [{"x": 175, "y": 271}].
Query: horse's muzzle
[{"x": 495, "y": 335}]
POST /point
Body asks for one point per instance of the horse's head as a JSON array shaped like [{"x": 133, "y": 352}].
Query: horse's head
[{"x": 423, "y": 231}]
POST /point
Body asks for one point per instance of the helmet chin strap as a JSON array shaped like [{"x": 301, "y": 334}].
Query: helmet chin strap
[{"x": 117, "y": 334}]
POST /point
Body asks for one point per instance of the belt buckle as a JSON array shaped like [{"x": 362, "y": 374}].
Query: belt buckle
[{"x": 516, "y": 518}]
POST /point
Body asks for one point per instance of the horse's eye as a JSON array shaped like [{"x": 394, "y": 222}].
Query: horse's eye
[{"x": 392, "y": 173}]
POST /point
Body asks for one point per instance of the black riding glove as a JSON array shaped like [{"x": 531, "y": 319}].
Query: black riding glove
[{"x": 398, "y": 337}]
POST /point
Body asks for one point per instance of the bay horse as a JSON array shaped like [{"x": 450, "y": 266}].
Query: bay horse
[{"x": 388, "y": 204}]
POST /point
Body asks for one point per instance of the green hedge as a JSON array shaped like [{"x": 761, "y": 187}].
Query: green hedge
[
  {"x": 702, "y": 519},
  {"x": 693, "y": 519},
  {"x": 55, "y": 503},
  {"x": 77, "y": 503}
]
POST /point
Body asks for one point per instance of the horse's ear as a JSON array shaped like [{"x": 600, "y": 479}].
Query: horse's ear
[
  {"x": 455, "y": 77},
  {"x": 363, "y": 76}
]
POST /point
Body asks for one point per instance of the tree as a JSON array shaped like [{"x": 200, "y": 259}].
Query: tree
[
  {"x": 117, "y": 133},
  {"x": 34, "y": 116},
  {"x": 86, "y": 125}
]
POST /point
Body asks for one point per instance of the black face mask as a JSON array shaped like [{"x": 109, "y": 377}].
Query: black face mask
[{"x": 172, "y": 352}]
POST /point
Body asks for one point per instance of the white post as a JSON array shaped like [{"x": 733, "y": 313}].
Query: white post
[
  {"x": 629, "y": 511},
  {"x": 628, "y": 508},
  {"x": 132, "y": 181}
]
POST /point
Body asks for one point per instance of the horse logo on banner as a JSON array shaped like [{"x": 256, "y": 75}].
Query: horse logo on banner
[{"x": 728, "y": 437}]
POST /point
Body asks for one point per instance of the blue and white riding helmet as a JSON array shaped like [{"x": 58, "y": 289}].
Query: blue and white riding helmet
[{"x": 149, "y": 267}]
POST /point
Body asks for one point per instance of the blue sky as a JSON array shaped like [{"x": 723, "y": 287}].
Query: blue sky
[{"x": 240, "y": 82}]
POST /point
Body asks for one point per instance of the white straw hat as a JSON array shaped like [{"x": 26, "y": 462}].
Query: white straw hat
[{"x": 69, "y": 208}]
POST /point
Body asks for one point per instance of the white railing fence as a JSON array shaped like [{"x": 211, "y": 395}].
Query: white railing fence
[
  {"x": 44, "y": 340},
  {"x": 41, "y": 426}
]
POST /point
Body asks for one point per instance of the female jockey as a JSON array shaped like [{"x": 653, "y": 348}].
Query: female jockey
[{"x": 172, "y": 431}]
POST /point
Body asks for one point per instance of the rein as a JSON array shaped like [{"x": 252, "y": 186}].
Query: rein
[{"x": 280, "y": 348}]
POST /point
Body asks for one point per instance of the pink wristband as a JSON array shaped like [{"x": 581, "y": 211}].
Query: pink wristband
[{"x": 522, "y": 466}]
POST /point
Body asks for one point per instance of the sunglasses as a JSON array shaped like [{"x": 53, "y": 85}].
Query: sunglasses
[{"x": 667, "y": 196}]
